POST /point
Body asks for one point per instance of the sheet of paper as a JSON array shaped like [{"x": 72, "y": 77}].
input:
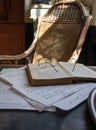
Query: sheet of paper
[
  {"x": 11, "y": 72},
  {"x": 73, "y": 100},
  {"x": 45, "y": 95},
  {"x": 11, "y": 100},
  {"x": 48, "y": 95}
]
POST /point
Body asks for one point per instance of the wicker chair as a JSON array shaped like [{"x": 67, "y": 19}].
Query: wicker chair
[{"x": 60, "y": 35}]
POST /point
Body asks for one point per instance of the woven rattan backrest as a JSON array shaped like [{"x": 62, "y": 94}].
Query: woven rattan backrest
[
  {"x": 59, "y": 32},
  {"x": 60, "y": 35}
]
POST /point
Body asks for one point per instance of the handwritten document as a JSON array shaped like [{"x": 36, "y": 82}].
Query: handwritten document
[
  {"x": 73, "y": 100},
  {"x": 11, "y": 100},
  {"x": 46, "y": 96}
]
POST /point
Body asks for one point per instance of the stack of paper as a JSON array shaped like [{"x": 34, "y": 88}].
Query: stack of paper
[{"x": 16, "y": 93}]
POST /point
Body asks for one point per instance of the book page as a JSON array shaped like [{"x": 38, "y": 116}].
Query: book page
[
  {"x": 83, "y": 72},
  {"x": 47, "y": 71},
  {"x": 80, "y": 70}
]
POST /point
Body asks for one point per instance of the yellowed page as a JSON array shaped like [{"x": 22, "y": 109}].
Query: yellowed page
[{"x": 80, "y": 70}]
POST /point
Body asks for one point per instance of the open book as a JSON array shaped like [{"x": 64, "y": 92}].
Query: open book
[{"x": 59, "y": 73}]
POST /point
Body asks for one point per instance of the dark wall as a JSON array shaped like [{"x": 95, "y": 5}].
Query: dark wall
[
  {"x": 29, "y": 34},
  {"x": 88, "y": 54}
]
